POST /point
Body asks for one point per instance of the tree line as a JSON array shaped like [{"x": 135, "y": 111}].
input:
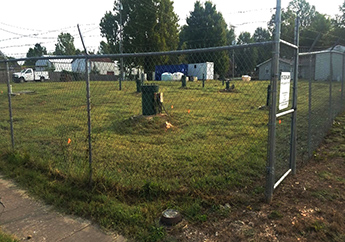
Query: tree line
[{"x": 135, "y": 26}]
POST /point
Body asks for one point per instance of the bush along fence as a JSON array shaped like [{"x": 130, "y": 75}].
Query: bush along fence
[{"x": 148, "y": 126}]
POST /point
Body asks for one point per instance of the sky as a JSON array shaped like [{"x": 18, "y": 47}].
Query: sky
[{"x": 24, "y": 23}]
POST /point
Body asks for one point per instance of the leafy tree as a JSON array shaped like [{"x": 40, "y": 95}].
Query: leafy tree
[
  {"x": 314, "y": 27},
  {"x": 316, "y": 36},
  {"x": 37, "y": 51},
  {"x": 244, "y": 38},
  {"x": 304, "y": 10},
  {"x": 206, "y": 28},
  {"x": 230, "y": 36},
  {"x": 65, "y": 45},
  {"x": 231, "y": 40},
  {"x": 340, "y": 18},
  {"x": 147, "y": 25},
  {"x": 166, "y": 29},
  {"x": 245, "y": 58},
  {"x": 262, "y": 35},
  {"x": 287, "y": 25},
  {"x": 337, "y": 32},
  {"x": 110, "y": 30},
  {"x": 300, "y": 8}
]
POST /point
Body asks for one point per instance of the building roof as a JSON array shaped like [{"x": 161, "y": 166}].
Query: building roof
[
  {"x": 336, "y": 49},
  {"x": 287, "y": 61},
  {"x": 104, "y": 60},
  {"x": 64, "y": 61}
]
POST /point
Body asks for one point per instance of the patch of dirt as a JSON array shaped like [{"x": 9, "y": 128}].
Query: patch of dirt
[{"x": 309, "y": 206}]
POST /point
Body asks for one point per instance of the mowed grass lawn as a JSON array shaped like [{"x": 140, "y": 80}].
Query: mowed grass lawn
[{"x": 213, "y": 153}]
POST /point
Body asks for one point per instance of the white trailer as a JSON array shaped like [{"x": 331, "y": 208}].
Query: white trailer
[{"x": 201, "y": 70}]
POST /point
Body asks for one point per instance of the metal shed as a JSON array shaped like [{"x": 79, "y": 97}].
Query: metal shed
[
  {"x": 317, "y": 65},
  {"x": 265, "y": 68}
]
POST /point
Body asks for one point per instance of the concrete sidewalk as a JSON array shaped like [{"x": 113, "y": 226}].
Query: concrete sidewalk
[{"x": 30, "y": 220}]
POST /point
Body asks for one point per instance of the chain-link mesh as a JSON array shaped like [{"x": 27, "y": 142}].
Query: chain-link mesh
[
  {"x": 319, "y": 95},
  {"x": 161, "y": 128},
  {"x": 166, "y": 124},
  {"x": 189, "y": 130},
  {"x": 50, "y": 121}
]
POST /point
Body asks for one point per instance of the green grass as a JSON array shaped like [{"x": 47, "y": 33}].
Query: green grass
[
  {"x": 7, "y": 238},
  {"x": 216, "y": 148}
]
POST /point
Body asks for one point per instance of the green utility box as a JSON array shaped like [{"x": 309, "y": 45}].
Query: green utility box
[{"x": 150, "y": 104}]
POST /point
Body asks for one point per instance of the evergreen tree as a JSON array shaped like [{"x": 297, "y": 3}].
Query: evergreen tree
[
  {"x": 141, "y": 26},
  {"x": 206, "y": 28},
  {"x": 263, "y": 53},
  {"x": 245, "y": 58}
]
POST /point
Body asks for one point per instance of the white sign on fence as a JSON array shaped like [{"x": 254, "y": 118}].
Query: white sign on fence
[{"x": 284, "y": 96}]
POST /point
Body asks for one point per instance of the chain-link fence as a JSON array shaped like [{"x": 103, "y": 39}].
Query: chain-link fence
[
  {"x": 163, "y": 124},
  {"x": 321, "y": 92},
  {"x": 165, "y": 129},
  {"x": 172, "y": 128}
]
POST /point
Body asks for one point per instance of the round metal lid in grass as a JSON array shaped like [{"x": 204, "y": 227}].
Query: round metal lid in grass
[{"x": 171, "y": 217}]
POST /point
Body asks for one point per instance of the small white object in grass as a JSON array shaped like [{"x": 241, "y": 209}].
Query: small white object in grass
[{"x": 246, "y": 78}]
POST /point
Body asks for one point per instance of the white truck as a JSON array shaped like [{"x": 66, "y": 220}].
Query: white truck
[{"x": 29, "y": 74}]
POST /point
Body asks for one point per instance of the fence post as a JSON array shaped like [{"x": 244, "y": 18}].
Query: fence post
[
  {"x": 273, "y": 107},
  {"x": 10, "y": 103},
  {"x": 342, "y": 84},
  {"x": 88, "y": 100},
  {"x": 330, "y": 89},
  {"x": 121, "y": 46},
  {"x": 294, "y": 103},
  {"x": 310, "y": 105}
]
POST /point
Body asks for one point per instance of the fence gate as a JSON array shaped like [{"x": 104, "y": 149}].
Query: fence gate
[{"x": 283, "y": 109}]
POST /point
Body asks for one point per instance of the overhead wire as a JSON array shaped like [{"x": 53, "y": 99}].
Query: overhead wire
[{"x": 46, "y": 35}]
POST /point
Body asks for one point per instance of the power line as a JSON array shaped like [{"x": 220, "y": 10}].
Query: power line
[
  {"x": 38, "y": 35},
  {"x": 17, "y": 27}
]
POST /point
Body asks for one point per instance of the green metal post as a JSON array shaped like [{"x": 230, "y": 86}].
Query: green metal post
[{"x": 184, "y": 81}]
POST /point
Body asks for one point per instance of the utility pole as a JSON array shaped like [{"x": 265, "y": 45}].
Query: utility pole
[
  {"x": 233, "y": 43},
  {"x": 120, "y": 46}
]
